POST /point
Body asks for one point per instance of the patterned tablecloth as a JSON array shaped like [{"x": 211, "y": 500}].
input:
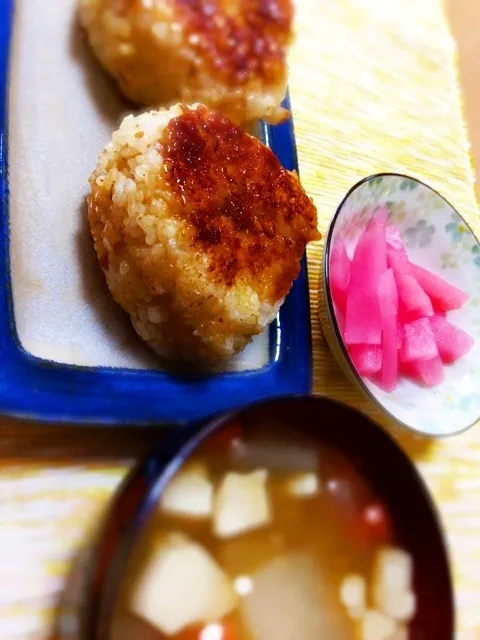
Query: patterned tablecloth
[{"x": 374, "y": 88}]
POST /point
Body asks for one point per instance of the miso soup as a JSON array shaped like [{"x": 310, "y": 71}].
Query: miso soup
[{"x": 265, "y": 535}]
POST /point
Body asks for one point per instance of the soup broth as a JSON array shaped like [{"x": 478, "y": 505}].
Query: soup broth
[{"x": 262, "y": 535}]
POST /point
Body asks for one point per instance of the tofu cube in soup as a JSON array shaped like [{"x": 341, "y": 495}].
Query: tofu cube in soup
[
  {"x": 303, "y": 485},
  {"x": 180, "y": 586},
  {"x": 393, "y": 570},
  {"x": 241, "y": 504},
  {"x": 291, "y": 601},
  {"x": 377, "y": 626},
  {"x": 189, "y": 493}
]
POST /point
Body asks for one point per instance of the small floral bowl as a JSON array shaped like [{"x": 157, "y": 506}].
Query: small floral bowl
[{"x": 437, "y": 238}]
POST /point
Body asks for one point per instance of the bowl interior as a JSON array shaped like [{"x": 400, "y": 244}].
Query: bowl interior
[
  {"x": 373, "y": 455},
  {"x": 437, "y": 238}
]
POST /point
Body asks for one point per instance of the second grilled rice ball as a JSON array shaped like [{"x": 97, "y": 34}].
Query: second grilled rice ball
[
  {"x": 198, "y": 229},
  {"x": 228, "y": 54}
]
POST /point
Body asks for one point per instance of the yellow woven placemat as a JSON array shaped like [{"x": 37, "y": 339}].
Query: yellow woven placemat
[{"x": 373, "y": 89}]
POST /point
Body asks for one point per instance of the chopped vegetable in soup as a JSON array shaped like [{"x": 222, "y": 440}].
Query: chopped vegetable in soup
[{"x": 267, "y": 537}]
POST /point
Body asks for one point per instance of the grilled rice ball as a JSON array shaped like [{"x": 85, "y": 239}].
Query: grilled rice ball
[
  {"x": 227, "y": 54},
  {"x": 198, "y": 229}
]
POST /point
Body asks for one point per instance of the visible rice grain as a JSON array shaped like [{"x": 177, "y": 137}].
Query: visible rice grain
[
  {"x": 153, "y": 265},
  {"x": 230, "y": 55}
]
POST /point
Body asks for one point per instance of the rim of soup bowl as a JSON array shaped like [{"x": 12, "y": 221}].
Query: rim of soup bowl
[{"x": 138, "y": 494}]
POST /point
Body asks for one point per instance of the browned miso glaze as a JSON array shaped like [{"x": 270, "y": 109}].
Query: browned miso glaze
[
  {"x": 246, "y": 212},
  {"x": 239, "y": 38},
  {"x": 296, "y": 562}
]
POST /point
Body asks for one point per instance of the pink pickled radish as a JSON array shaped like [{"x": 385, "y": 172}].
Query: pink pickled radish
[
  {"x": 430, "y": 372},
  {"x": 394, "y": 241},
  {"x": 397, "y": 260},
  {"x": 367, "y": 358},
  {"x": 362, "y": 322},
  {"x": 408, "y": 369},
  {"x": 388, "y": 300},
  {"x": 400, "y": 335},
  {"x": 413, "y": 301},
  {"x": 339, "y": 273},
  {"x": 452, "y": 342},
  {"x": 419, "y": 342},
  {"x": 380, "y": 218},
  {"x": 443, "y": 295},
  {"x": 391, "y": 312}
]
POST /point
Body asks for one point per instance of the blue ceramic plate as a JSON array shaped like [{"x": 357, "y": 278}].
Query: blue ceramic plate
[{"x": 45, "y": 388}]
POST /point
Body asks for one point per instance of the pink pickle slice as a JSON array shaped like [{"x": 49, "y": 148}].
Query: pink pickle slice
[
  {"x": 397, "y": 255},
  {"x": 388, "y": 299},
  {"x": 430, "y": 372},
  {"x": 379, "y": 217},
  {"x": 362, "y": 322},
  {"x": 367, "y": 358},
  {"x": 400, "y": 335},
  {"x": 413, "y": 301},
  {"x": 443, "y": 295},
  {"x": 396, "y": 262},
  {"x": 339, "y": 273},
  {"x": 394, "y": 241},
  {"x": 452, "y": 342},
  {"x": 419, "y": 342}
]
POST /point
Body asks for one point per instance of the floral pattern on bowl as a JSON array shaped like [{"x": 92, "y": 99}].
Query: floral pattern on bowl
[{"x": 438, "y": 239}]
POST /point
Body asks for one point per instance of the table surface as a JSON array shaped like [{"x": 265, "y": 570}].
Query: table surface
[
  {"x": 464, "y": 18},
  {"x": 55, "y": 481}
]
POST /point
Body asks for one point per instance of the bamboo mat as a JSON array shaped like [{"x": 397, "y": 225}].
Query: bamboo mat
[{"x": 374, "y": 88}]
